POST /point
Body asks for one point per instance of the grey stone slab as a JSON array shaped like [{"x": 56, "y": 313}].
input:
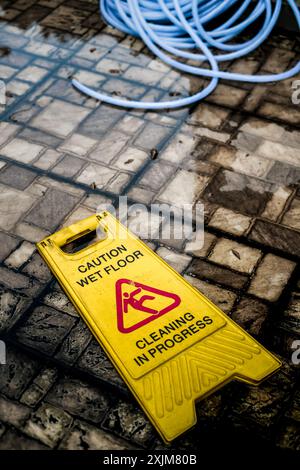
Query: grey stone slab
[
  {"x": 100, "y": 121},
  {"x": 12, "y": 308},
  {"x": 127, "y": 421},
  {"x": 13, "y": 440},
  {"x": 13, "y": 413},
  {"x": 276, "y": 236},
  {"x": 95, "y": 362},
  {"x": 68, "y": 166},
  {"x": 18, "y": 372},
  {"x": 84, "y": 436},
  {"x": 239, "y": 192},
  {"x": 80, "y": 399},
  {"x": 7, "y": 244},
  {"x": 19, "y": 282},
  {"x": 74, "y": 344},
  {"x": 17, "y": 177},
  {"x": 205, "y": 270},
  {"x": 251, "y": 315},
  {"x": 37, "y": 267},
  {"x": 45, "y": 329},
  {"x": 284, "y": 174},
  {"x": 153, "y": 135},
  {"x": 156, "y": 176},
  {"x": 52, "y": 209}
]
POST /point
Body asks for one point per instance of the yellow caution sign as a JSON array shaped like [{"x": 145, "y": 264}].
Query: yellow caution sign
[{"x": 170, "y": 344}]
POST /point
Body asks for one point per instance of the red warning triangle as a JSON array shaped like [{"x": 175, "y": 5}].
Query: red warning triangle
[{"x": 139, "y": 304}]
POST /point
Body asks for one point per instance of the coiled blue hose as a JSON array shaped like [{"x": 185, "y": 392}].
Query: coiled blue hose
[{"x": 175, "y": 27}]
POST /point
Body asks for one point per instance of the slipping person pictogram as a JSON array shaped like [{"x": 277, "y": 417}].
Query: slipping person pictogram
[{"x": 144, "y": 299}]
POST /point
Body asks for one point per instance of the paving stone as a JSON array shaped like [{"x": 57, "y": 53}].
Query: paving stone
[
  {"x": 13, "y": 440},
  {"x": 50, "y": 211},
  {"x": 131, "y": 159},
  {"x": 7, "y": 245},
  {"x": 79, "y": 214},
  {"x": 229, "y": 221},
  {"x": 17, "y": 177},
  {"x": 130, "y": 124},
  {"x": 205, "y": 270},
  {"x": 119, "y": 183},
  {"x": 94, "y": 361},
  {"x": 209, "y": 115},
  {"x": 39, "y": 387},
  {"x": 12, "y": 307},
  {"x": 84, "y": 436},
  {"x": 45, "y": 329},
  {"x": 271, "y": 277},
  {"x": 157, "y": 175},
  {"x": 265, "y": 129},
  {"x": 235, "y": 255},
  {"x": 238, "y": 192},
  {"x": 47, "y": 159},
  {"x": 251, "y": 315},
  {"x": 278, "y": 60},
  {"x": 75, "y": 343},
  {"x": 178, "y": 261},
  {"x": 19, "y": 282},
  {"x": 29, "y": 232},
  {"x": 251, "y": 164},
  {"x": 48, "y": 425},
  {"x": 276, "y": 204},
  {"x": 141, "y": 195},
  {"x": 153, "y": 136},
  {"x": 17, "y": 373},
  {"x": 60, "y": 301},
  {"x": 60, "y": 118},
  {"x": 179, "y": 148},
  {"x": 13, "y": 413},
  {"x": 246, "y": 142},
  {"x": 288, "y": 114},
  {"x": 21, "y": 150},
  {"x": 192, "y": 185},
  {"x": 68, "y": 166},
  {"x": 292, "y": 216},
  {"x": 21, "y": 255},
  {"x": 200, "y": 244},
  {"x": 278, "y": 151},
  {"x": 98, "y": 174},
  {"x": 100, "y": 121},
  {"x": 38, "y": 268},
  {"x": 80, "y": 399},
  {"x": 284, "y": 174},
  {"x": 21, "y": 203},
  {"x": 223, "y": 298},
  {"x": 109, "y": 147},
  {"x": 262, "y": 405},
  {"x": 6, "y": 129},
  {"x": 78, "y": 144},
  {"x": 227, "y": 96},
  {"x": 276, "y": 236},
  {"x": 60, "y": 186},
  {"x": 127, "y": 421},
  {"x": 223, "y": 155}
]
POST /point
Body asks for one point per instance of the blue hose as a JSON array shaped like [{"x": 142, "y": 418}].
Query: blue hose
[{"x": 172, "y": 28}]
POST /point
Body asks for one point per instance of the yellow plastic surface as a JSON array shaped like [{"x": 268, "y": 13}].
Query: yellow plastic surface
[{"x": 170, "y": 344}]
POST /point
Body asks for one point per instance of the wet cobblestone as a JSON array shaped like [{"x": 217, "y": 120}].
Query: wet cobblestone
[{"x": 62, "y": 154}]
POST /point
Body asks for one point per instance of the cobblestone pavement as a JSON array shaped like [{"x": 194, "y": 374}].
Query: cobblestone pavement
[{"x": 62, "y": 154}]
